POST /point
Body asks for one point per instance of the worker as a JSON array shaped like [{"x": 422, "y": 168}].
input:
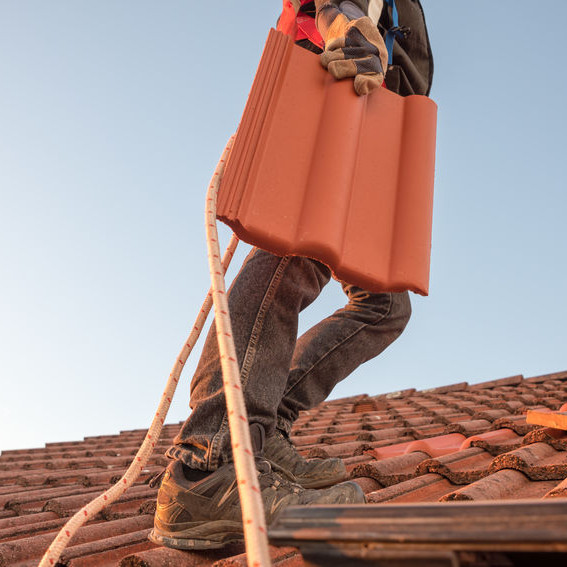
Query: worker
[{"x": 198, "y": 504}]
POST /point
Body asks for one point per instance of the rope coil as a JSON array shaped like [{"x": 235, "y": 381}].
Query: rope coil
[{"x": 248, "y": 489}]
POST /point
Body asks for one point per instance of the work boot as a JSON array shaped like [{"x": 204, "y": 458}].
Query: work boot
[
  {"x": 206, "y": 514},
  {"x": 312, "y": 473}
]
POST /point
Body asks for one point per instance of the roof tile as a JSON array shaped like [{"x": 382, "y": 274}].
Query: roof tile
[
  {"x": 505, "y": 484},
  {"x": 33, "y": 526},
  {"x": 462, "y": 467},
  {"x": 516, "y": 423},
  {"x": 367, "y": 484},
  {"x": 537, "y": 461},
  {"x": 426, "y": 488},
  {"x": 164, "y": 557},
  {"x": 496, "y": 441},
  {"x": 559, "y": 491},
  {"x": 437, "y": 446},
  {"x": 510, "y": 381},
  {"x": 545, "y": 377},
  {"x": 554, "y": 437},
  {"x": 107, "y": 550},
  {"x": 472, "y": 427},
  {"x": 393, "y": 470},
  {"x": 281, "y": 557}
]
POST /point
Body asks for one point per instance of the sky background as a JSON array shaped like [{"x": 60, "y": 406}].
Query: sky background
[{"x": 112, "y": 118}]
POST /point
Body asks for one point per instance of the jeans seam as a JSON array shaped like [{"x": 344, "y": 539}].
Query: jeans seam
[
  {"x": 356, "y": 331},
  {"x": 214, "y": 452}
]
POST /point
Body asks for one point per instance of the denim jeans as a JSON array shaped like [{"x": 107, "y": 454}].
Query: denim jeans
[{"x": 280, "y": 373}]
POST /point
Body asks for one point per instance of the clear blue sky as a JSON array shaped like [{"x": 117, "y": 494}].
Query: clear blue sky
[{"x": 112, "y": 118}]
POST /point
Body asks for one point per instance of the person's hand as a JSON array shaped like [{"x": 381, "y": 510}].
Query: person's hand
[{"x": 355, "y": 49}]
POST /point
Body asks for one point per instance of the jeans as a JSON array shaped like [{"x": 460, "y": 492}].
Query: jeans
[{"x": 281, "y": 374}]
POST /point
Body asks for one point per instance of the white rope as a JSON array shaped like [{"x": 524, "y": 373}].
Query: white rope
[
  {"x": 253, "y": 518},
  {"x": 253, "y": 513}
]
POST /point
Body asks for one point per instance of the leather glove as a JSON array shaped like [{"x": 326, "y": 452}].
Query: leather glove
[{"x": 352, "y": 49}]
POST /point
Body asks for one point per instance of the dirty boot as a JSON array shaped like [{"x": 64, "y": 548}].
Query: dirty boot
[
  {"x": 311, "y": 473},
  {"x": 206, "y": 514}
]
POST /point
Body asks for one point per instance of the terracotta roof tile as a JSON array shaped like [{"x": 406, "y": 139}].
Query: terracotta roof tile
[
  {"x": 461, "y": 467},
  {"x": 554, "y": 437},
  {"x": 426, "y": 431},
  {"x": 107, "y": 551},
  {"x": 559, "y": 491},
  {"x": 335, "y": 235},
  {"x": 164, "y": 557},
  {"x": 546, "y": 377},
  {"x": 15, "y": 521},
  {"x": 450, "y": 388},
  {"x": 341, "y": 450},
  {"x": 472, "y": 427},
  {"x": 426, "y": 488},
  {"x": 437, "y": 446},
  {"x": 352, "y": 462},
  {"x": 400, "y": 394},
  {"x": 393, "y": 470},
  {"x": 516, "y": 423},
  {"x": 496, "y": 441},
  {"x": 537, "y": 461},
  {"x": 32, "y": 527},
  {"x": 505, "y": 484},
  {"x": 367, "y": 483},
  {"x": 281, "y": 557},
  {"x": 231, "y": 556},
  {"x": 510, "y": 381},
  {"x": 30, "y": 500}
]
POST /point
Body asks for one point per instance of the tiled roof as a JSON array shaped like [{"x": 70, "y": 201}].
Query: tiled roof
[{"x": 455, "y": 443}]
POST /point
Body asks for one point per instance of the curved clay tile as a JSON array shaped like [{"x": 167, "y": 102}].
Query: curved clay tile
[
  {"x": 393, "y": 470},
  {"x": 538, "y": 461},
  {"x": 437, "y": 446},
  {"x": 317, "y": 171},
  {"x": 498, "y": 436},
  {"x": 506, "y": 484},
  {"x": 462, "y": 467},
  {"x": 426, "y": 488}
]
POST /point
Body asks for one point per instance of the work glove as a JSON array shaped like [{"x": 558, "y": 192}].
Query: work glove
[{"x": 353, "y": 48}]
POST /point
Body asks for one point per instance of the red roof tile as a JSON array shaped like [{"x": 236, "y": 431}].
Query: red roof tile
[
  {"x": 425, "y": 488},
  {"x": 461, "y": 467},
  {"x": 505, "y": 484},
  {"x": 393, "y": 470}
]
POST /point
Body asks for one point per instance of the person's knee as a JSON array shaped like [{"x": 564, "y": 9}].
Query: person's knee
[
  {"x": 390, "y": 309},
  {"x": 401, "y": 309},
  {"x": 308, "y": 275}
]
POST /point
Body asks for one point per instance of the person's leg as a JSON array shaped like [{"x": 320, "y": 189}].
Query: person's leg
[
  {"x": 332, "y": 349},
  {"x": 265, "y": 300}
]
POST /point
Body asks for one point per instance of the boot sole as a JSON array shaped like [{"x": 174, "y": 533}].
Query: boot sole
[{"x": 203, "y": 535}]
